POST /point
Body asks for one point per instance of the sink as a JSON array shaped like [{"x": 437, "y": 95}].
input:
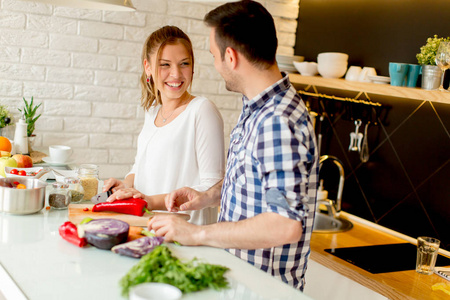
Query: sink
[{"x": 327, "y": 224}]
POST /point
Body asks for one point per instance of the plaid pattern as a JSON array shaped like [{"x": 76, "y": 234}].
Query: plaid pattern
[{"x": 272, "y": 167}]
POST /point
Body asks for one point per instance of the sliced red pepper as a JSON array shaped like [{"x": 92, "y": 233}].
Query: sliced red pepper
[
  {"x": 69, "y": 232},
  {"x": 130, "y": 206}
]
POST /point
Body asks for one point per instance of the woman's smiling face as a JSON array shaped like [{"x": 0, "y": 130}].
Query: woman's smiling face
[{"x": 174, "y": 69}]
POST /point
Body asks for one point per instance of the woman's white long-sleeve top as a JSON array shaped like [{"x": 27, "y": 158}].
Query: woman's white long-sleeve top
[{"x": 189, "y": 151}]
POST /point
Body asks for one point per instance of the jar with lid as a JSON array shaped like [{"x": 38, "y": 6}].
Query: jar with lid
[
  {"x": 75, "y": 189},
  {"x": 59, "y": 196},
  {"x": 88, "y": 175}
]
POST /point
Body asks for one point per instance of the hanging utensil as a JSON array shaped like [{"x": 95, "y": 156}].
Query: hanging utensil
[
  {"x": 364, "y": 154},
  {"x": 356, "y": 138}
]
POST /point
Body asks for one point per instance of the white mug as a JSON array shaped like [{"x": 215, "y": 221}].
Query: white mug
[
  {"x": 59, "y": 153},
  {"x": 365, "y": 73},
  {"x": 353, "y": 73}
]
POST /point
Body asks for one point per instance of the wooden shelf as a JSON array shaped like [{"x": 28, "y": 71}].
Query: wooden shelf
[{"x": 371, "y": 88}]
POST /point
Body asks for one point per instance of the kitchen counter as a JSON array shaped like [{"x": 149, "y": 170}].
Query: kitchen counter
[
  {"x": 393, "y": 285},
  {"x": 36, "y": 263}
]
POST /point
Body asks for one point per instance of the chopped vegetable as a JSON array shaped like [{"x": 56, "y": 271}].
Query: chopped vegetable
[
  {"x": 69, "y": 232},
  {"x": 104, "y": 233},
  {"x": 147, "y": 233},
  {"x": 85, "y": 209},
  {"x": 86, "y": 220},
  {"x": 129, "y": 206},
  {"x": 21, "y": 186},
  {"x": 161, "y": 266},
  {"x": 139, "y": 247}
]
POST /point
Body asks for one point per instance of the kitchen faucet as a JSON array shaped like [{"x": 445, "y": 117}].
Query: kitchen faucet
[{"x": 338, "y": 163}]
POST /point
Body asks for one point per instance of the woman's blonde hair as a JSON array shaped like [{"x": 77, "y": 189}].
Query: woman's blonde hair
[{"x": 155, "y": 43}]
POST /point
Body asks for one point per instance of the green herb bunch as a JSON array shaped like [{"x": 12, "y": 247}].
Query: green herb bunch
[
  {"x": 427, "y": 53},
  {"x": 29, "y": 111},
  {"x": 5, "y": 117},
  {"x": 161, "y": 266}
]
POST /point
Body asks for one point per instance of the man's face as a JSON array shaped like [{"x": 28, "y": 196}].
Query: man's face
[{"x": 221, "y": 65}]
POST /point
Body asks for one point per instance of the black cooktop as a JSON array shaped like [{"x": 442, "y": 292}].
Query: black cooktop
[{"x": 383, "y": 258}]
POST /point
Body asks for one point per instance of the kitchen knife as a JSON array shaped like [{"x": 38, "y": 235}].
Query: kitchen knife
[{"x": 99, "y": 198}]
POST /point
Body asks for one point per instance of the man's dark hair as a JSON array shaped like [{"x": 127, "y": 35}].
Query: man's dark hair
[{"x": 247, "y": 27}]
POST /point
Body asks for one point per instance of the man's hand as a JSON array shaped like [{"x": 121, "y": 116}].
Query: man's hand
[
  {"x": 174, "y": 228},
  {"x": 185, "y": 199}
]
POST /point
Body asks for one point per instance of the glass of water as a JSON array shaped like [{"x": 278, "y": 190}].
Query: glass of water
[{"x": 427, "y": 252}]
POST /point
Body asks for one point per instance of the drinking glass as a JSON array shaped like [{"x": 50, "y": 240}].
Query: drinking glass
[{"x": 443, "y": 60}]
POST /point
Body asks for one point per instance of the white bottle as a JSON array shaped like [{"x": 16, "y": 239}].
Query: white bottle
[{"x": 20, "y": 137}]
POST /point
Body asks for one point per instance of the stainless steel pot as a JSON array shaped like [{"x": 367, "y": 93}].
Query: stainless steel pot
[{"x": 22, "y": 201}]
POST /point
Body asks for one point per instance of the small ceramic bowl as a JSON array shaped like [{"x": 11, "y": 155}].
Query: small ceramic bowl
[
  {"x": 154, "y": 290},
  {"x": 306, "y": 68}
]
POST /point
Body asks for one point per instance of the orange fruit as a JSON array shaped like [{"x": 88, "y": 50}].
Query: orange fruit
[
  {"x": 5, "y": 144},
  {"x": 21, "y": 186}
]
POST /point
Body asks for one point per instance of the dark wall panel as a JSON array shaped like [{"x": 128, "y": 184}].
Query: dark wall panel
[{"x": 373, "y": 33}]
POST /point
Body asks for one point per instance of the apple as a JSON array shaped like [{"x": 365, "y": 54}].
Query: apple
[
  {"x": 23, "y": 161},
  {"x": 6, "y": 162}
]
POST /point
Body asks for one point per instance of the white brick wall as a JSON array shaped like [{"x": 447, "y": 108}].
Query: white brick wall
[{"x": 84, "y": 67}]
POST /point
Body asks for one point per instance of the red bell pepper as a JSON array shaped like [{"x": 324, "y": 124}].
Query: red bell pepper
[
  {"x": 130, "y": 206},
  {"x": 69, "y": 232}
]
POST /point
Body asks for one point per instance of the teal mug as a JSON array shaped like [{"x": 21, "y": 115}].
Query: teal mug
[
  {"x": 398, "y": 73},
  {"x": 413, "y": 74}
]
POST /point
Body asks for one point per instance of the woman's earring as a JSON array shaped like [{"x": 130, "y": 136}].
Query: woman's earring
[{"x": 148, "y": 78}]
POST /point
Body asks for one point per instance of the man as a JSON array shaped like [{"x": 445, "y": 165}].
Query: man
[{"x": 271, "y": 176}]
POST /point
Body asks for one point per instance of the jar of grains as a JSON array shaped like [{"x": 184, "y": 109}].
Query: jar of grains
[
  {"x": 88, "y": 175},
  {"x": 59, "y": 196},
  {"x": 75, "y": 189}
]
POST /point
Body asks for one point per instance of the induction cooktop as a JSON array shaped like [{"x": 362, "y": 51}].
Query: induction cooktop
[{"x": 383, "y": 258}]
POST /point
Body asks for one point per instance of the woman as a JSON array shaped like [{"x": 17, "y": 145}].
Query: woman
[{"x": 181, "y": 143}]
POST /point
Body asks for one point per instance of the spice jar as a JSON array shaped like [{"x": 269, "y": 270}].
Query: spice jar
[
  {"x": 75, "y": 189},
  {"x": 59, "y": 196},
  {"x": 88, "y": 175}
]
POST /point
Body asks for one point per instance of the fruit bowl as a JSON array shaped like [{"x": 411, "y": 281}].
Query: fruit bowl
[{"x": 31, "y": 173}]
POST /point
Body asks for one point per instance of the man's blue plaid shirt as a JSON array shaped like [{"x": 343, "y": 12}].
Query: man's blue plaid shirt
[{"x": 272, "y": 167}]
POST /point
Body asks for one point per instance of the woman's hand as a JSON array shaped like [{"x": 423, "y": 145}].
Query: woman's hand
[
  {"x": 125, "y": 193},
  {"x": 113, "y": 184}
]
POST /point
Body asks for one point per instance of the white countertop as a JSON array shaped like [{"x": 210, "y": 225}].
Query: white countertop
[{"x": 36, "y": 263}]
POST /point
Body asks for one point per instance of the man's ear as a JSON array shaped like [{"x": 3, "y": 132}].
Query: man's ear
[{"x": 231, "y": 58}]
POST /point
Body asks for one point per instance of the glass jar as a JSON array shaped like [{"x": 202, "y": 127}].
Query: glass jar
[
  {"x": 88, "y": 175},
  {"x": 59, "y": 196},
  {"x": 75, "y": 189}
]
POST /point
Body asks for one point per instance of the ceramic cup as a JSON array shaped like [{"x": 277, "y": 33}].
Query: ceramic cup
[
  {"x": 353, "y": 73},
  {"x": 59, "y": 153},
  {"x": 398, "y": 73},
  {"x": 413, "y": 74},
  {"x": 365, "y": 73}
]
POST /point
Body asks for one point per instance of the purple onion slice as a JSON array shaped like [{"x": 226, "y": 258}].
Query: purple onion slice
[
  {"x": 104, "y": 233},
  {"x": 139, "y": 247}
]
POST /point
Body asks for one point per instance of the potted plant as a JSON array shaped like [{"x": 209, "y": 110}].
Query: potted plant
[
  {"x": 29, "y": 112},
  {"x": 5, "y": 118},
  {"x": 431, "y": 74}
]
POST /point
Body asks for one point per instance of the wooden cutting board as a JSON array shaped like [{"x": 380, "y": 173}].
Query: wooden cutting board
[{"x": 77, "y": 213}]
